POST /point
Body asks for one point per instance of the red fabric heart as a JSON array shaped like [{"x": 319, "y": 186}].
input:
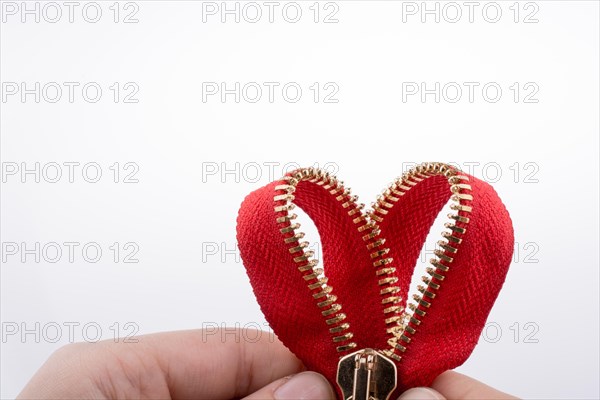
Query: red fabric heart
[{"x": 363, "y": 301}]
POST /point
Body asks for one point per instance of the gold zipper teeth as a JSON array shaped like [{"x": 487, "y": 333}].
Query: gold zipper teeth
[
  {"x": 334, "y": 320},
  {"x": 339, "y": 328},
  {"x": 323, "y": 293},
  {"x": 357, "y": 209},
  {"x": 431, "y": 271},
  {"x": 393, "y": 309},
  {"x": 416, "y": 311},
  {"x": 286, "y": 218},
  {"x": 345, "y": 336},
  {"x": 425, "y": 292},
  {"x": 293, "y": 239},
  {"x": 290, "y": 228},
  {"x": 371, "y": 235},
  {"x": 384, "y": 204},
  {"x": 405, "y": 338},
  {"x": 307, "y": 254},
  {"x": 456, "y": 187},
  {"x": 319, "y": 283},
  {"x": 332, "y": 299},
  {"x": 379, "y": 253},
  {"x": 397, "y": 346},
  {"x": 314, "y": 276},
  {"x": 299, "y": 248},
  {"x": 419, "y": 300},
  {"x": 442, "y": 256},
  {"x": 388, "y": 280},
  {"x": 305, "y": 257},
  {"x": 429, "y": 282},
  {"x": 374, "y": 217},
  {"x": 287, "y": 196},
  {"x": 461, "y": 196},
  {"x": 332, "y": 310},
  {"x": 391, "y": 299},
  {"x": 451, "y": 238},
  {"x": 350, "y": 201},
  {"x": 389, "y": 289},
  {"x": 309, "y": 266},
  {"x": 377, "y": 243},
  {"x": 401, "y": 323},
  {"x": 359, "y": 219},
  {"x": 455, "y": 228},
  {"x": 447, "y": 247},
  {"x": 383, "y": 261},
  {"x": 407, "y": 323},
  {"x": 459, "y": 218},
  {"x": 458, "y": 207},
  {"x": 286, "y": 188},
  {"x": 436, "y": 263},
  {"x": 286, "y": 207},
  {"x": 368, "y": 225},
  {"x": 396, "y": 192},
  {"x": 385, "y": 271},
  {"x": 346, "y": 347},
  {"x": 379, "y": 210}
]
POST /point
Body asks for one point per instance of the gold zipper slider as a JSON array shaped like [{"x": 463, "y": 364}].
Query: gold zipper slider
[{"x": 366, "y": 375}]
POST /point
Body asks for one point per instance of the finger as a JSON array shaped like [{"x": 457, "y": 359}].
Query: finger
[
  {"x": 228, "y": 364},
  {"x": 225, "y": 365},
  {"x": 453, "y": 385},
  {"x": 303, "y": 386},
  {"x": 421, "y": 393},
  {"x": 220, "y": 364}
]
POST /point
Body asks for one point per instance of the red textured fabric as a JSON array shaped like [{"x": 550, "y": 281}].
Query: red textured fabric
[{"x": 450, "y": 330}]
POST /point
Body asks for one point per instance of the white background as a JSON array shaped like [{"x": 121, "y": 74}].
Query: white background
[{"x": 177, "y": 211}]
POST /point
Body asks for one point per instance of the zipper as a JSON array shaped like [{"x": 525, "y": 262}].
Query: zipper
[
  {"x": 367, "y": 372},
  {"x": 365, "y": 375}
]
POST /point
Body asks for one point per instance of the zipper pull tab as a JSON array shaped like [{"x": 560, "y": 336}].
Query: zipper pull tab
[{"x": 366, "y": 375}]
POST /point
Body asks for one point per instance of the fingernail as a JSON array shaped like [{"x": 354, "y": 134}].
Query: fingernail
[
  {"x": 421, "y": 393},
  {"x": 304, "y": 386}
]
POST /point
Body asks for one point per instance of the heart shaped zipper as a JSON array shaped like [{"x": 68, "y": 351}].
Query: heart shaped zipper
[{"x": 351, "y": 320}]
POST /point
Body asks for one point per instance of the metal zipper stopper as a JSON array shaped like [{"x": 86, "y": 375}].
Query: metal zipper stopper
[{"x": 366, "y": 375}]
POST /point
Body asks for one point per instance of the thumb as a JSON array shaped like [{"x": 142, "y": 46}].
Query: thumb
[
  {"x": 303, "y": 386},
  {"x": 421, "y": 393}
]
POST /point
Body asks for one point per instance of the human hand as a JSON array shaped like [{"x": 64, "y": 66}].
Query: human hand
[
  {"x": 451, "y": 385},
  {"x": 194, "y": 364}
]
